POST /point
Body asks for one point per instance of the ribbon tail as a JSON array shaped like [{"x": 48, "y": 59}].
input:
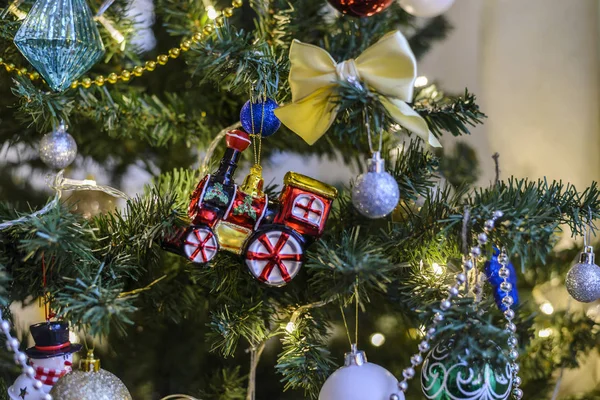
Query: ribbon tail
[
  {"x": 311, "y": 117},
  {"x": 408, "y": 118}
]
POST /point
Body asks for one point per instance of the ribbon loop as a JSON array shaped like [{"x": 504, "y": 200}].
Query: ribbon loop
[{"x": 389, "y": 67}]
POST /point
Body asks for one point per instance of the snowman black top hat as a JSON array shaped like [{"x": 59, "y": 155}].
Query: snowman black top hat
[{"x": 51, "y": 340}]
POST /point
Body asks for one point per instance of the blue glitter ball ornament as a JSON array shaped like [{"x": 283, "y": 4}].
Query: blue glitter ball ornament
[
  {"x": 255, "y": 116},
  {"x": 491, "y": 272}
]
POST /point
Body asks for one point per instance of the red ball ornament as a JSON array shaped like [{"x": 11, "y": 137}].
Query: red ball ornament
[{"x": 360, "y": 8}]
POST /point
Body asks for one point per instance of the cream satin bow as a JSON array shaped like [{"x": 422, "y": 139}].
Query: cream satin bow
[{"x": 389, "y": 67}]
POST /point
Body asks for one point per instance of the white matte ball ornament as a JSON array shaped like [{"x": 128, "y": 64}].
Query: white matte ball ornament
[
  {"x": 57, "y": 148},
  {"x": 583, "y": 279},
  {"x": 360, "y": 380},
  {"x": 426, "y": 8},
  {"x": 375, "y": 193}
]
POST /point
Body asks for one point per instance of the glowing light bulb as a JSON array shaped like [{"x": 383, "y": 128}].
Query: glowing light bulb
[
  {"x": 437, "y": 269},
  {"x": 544, "y": 333},
  {"x": 211, "y": 12},
  {"x": 73, "y": 337},
  {"x": 421, "y": 81},
  {"x": 547, "y": 308},
  {"x": 290, "y": 327},
  {"x": 377, "y": 339}
]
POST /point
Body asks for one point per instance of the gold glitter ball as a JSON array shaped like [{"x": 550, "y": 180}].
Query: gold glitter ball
[{"x": 80, "y": 385}]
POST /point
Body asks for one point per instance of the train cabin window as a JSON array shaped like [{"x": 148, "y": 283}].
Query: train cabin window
[{"x": 308, "y": 208}]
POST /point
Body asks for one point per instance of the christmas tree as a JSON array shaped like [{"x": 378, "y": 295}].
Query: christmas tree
[{"x": 201, "y": 282}]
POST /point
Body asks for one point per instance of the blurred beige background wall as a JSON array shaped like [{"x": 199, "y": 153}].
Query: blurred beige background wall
[{"x": 534, "y": 66}]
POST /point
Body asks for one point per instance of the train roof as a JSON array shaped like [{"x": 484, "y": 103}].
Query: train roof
[{"x": 309, "y": 184}]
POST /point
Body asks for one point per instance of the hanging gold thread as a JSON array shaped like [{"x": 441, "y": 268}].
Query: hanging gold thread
[
  {"x": 346, "y": 325},
  {"x": 356, "y": 314},
  {"x": 126, "y": 75}
]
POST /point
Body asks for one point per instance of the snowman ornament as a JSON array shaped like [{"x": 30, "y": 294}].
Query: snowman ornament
[{"x": 51, "y": 358}]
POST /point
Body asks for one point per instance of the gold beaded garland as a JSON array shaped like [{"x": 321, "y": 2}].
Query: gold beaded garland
[
  {"x": 162, "y": 59},
  {"x": 125, "y": 75},
  {"x": 185, "y": 45},
  {"x": 197, "y": 37},
  {"x": 138, "y": 71},
  {"x": 149, "y": 66},
  {"x": 208, "y": 29}
]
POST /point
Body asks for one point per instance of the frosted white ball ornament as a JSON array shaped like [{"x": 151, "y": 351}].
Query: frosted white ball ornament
[
  {"x": 426, "y": 8},
  {"x": 375, "y": 193},
  {"x": 360, "y": 380},
  {"x": 57, "y": 148}
]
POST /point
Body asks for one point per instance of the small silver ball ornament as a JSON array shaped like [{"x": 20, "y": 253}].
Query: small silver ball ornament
[
  {"x": 583, "y": 279},
  {"x": 57, "y": 148},
  {"x": 375, "y": 193}
]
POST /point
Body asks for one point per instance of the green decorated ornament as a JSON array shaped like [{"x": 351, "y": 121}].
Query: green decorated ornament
[{"x": 448, "y": 378}]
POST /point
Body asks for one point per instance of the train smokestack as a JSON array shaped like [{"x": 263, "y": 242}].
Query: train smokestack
[{"x": 237, "y": 141}]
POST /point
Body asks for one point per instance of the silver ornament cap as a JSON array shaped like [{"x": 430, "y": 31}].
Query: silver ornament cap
[
  {"x": 355, "y": 357},
  {"x": 583, "y": 279},
  {"x": 58, "y": 149},
  {"x": 375, "y": 193}
]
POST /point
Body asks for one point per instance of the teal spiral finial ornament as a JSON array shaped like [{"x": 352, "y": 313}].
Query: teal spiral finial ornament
[{"x": 61, "y": 40}]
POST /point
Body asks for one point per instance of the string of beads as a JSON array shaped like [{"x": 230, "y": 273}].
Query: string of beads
[
  {"x": 125, "y": 75},
  {"x": 453, "y": 291}
]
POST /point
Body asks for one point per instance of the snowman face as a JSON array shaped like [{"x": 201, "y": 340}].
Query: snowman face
[{"x": 58, "y": 363}]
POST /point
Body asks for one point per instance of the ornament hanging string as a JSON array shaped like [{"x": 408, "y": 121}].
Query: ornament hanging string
[
  {"x": 356, "y": 311},
  {"x": 257, "y": 138},
  {"x": 587, "y": 236},
  {"x": 353, "y": 344},
  {"x": 48, "y": 314},
  {"x": 367, "y": 123},
  {"x": 346, "y": 324},
  {"x": 465, "y": 243}
]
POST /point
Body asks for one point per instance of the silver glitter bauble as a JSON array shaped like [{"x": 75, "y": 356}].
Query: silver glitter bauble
[
  {"x": 375, "y": 193},
  {"x": 80, "y": 385},
  {"x": 57, "y": 148},
  {"x": 583, "y": 279}
]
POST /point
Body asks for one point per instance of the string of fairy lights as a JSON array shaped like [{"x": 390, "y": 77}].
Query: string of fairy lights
[{"x": 216, "y": 19}]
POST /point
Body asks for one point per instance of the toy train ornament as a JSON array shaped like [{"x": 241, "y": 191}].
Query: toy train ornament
[{"x": 271, "y": 235}]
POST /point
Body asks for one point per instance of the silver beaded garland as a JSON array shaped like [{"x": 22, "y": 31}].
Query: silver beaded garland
[
  {"x": 375, "y": 193},
  {"x": 453, "y": 291},
  {"x": 583, "y": 279},
  {"x": 57, "y": 148}
]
